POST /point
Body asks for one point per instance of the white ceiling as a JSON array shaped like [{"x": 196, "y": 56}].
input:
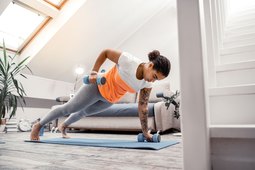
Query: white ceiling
[{"x": 97, "y": 25}]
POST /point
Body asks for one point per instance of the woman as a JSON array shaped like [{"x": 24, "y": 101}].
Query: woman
[{"x": 129, "y": 74}]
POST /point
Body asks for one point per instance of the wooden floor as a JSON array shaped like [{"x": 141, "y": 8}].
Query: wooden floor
[{"x": 16, "y": 154}]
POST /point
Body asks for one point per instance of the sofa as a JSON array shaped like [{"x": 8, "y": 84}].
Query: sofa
[{"x": 123, "y": 116}]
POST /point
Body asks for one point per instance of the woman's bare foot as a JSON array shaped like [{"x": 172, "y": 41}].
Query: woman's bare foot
[
  {"x": 62, "y": 128},
  {"x": 35, "y": 131}
]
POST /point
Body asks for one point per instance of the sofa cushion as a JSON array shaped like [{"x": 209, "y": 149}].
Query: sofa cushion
[{"x": 124, "y": 110}]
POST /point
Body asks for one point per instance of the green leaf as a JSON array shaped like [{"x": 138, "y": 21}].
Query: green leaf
[
  {"x": 23, "y": 76},
  {"x": 11, "y": 90},
  {"x": 5, "y": 56},
  {"x": 14, "y": 106},
  {"x": 29, "y": 69},
  {"x": 20, "y": 65}
]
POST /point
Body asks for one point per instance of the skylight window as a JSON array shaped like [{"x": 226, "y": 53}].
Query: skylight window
[
  {"x": 17, "y": 25},
  {"x": 56, "y": 3},
  {"x": 21, "y": 21}
]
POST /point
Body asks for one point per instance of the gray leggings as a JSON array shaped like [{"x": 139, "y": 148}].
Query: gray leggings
[{"x": 87, "y": 101}]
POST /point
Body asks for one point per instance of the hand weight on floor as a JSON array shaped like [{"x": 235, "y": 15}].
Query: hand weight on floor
[
  {"x": 155, "y": 138},
  {"x": 99, "y": 81}
]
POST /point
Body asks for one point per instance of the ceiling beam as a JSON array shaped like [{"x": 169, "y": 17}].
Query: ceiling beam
[{"x": 3, "y": 5}]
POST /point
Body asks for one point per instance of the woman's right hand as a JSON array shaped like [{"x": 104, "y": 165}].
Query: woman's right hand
[{"x": 93, "y": 77}]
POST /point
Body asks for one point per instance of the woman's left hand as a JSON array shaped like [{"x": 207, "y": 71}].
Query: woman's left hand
[{"x": 148, "y": 137}]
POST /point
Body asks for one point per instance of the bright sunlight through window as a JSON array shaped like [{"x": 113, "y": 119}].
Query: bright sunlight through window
[
  {"x": 17, "y": 24},
  {"x": 237, "y": 6}
]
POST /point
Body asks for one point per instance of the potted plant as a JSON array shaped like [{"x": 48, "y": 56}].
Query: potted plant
[{"x": 11, "y": 89}]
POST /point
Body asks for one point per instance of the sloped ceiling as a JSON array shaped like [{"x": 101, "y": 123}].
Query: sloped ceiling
[{"x": 97, "y": 25}]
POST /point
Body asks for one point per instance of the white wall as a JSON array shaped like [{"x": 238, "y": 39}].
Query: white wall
[
  {"x": 39, "y": 87},
  {"x": 160, "y": 33}
]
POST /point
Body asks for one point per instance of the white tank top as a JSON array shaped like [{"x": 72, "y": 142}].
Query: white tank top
[{"x": 127, "y": 67}]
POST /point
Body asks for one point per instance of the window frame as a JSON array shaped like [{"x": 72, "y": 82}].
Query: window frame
[
  {"x": 39, "y": 28},
  {"x": 56, "y": 6}
]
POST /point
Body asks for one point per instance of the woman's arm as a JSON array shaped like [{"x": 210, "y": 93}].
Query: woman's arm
[
  {"x": 107, "y": 53},
  {"x": 143, "y": 111}
]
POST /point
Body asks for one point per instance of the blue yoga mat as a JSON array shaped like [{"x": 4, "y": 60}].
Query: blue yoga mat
[{"x": 128, "y": 144}]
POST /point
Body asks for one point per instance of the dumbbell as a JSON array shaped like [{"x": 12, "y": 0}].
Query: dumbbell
[
  {"x": 54, "y": 130},
  {"x": 155, "y": 138},
  {"x": 100, "y": 80}
]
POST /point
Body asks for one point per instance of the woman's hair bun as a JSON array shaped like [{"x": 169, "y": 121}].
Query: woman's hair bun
[
  {"x": 160, "y": 63},
  {"x": 153, "y": 55}
]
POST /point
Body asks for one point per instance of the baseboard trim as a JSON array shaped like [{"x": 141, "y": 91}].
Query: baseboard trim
[
  {"x": 233, "y": 90},
  {"x": 232, "y": 131}
]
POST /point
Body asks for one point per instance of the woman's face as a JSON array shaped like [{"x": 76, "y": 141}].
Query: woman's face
[{"x": 150, "y": 74}]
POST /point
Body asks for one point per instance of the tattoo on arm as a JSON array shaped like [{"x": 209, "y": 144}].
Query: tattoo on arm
[{"x": 143, "y": 108}]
